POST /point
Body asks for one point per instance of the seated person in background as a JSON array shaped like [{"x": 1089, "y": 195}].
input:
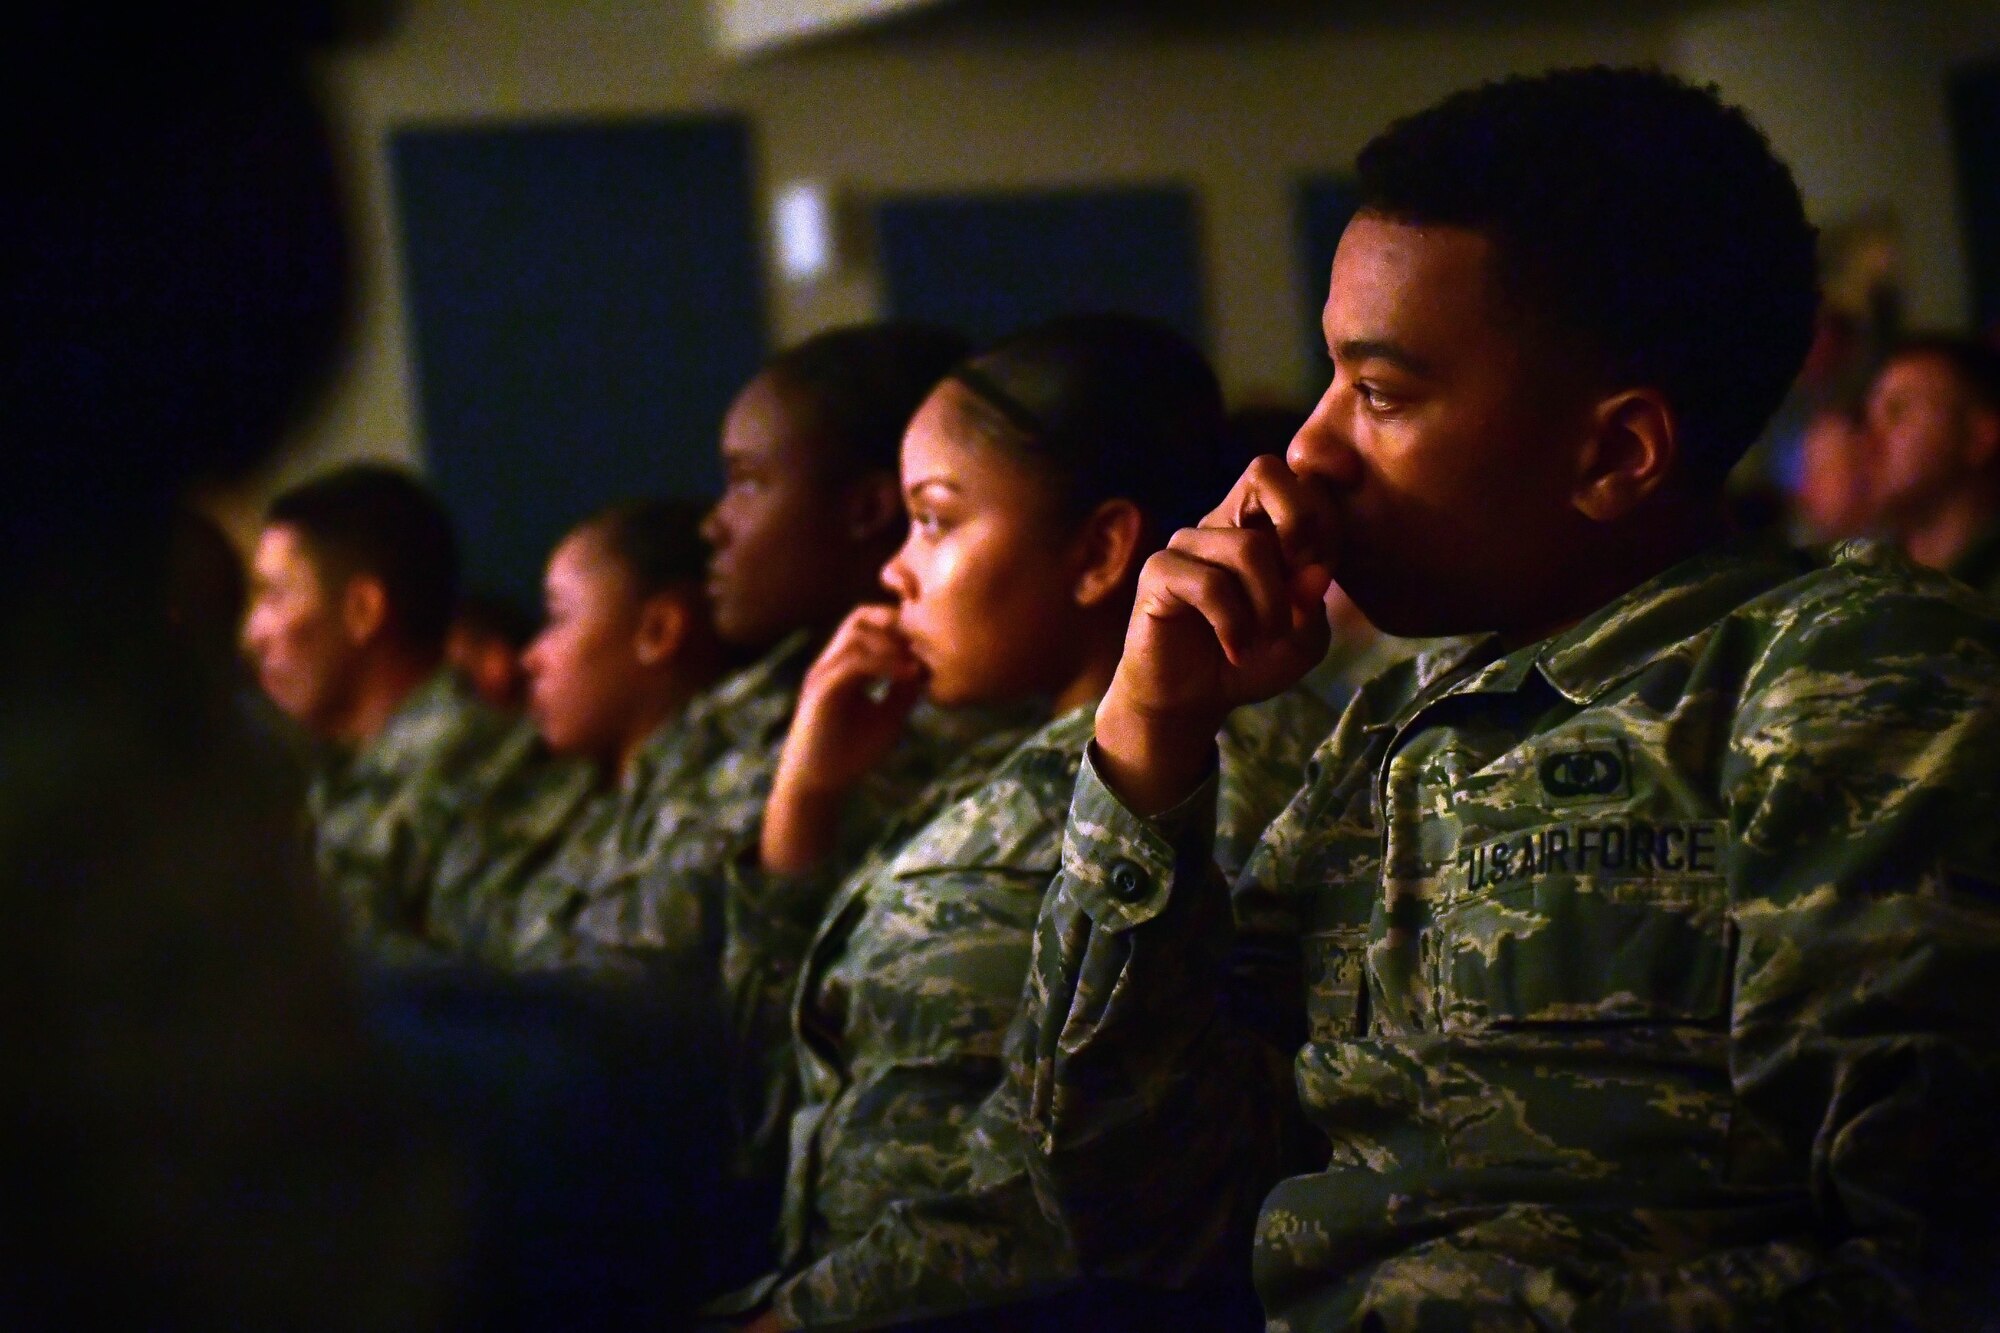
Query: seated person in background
[
  {"x": 809, "y": 513},
  {"x": 1831, "y": 502},
  {"x": 1933, "y": 431},
  {"x": 352, "y": 586},
  {"x": 1636, "y": 959},
  {"x": 628, "y": 642},
  {"x": 488, "y": 635},
  {"x": 1037, "y": 476}
]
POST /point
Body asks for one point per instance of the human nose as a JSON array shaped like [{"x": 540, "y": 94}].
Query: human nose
[
  {"x": 1323, "y": 447},
  {"x": 713, "y": 530},
  {"x": 898, "y": 577}
]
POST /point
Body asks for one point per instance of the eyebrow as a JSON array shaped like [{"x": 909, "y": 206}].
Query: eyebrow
[
  {"x": 927, "y": 483},
  {"x": 1377, "y": 349}
]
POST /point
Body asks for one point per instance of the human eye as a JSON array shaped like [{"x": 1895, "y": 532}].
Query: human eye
[{"x": 1377, "y": 399}]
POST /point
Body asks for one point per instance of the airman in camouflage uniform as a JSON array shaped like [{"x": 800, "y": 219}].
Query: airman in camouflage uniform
[
  {"x": 1628, "y": 965},
  {"x": 1933, "y": 444},
  {"x": 908, "y": 1191},
  {"x": 644, "y": 872},
  {"x": 533, "y": 806},
  {"x": 1602, "y": 941}
]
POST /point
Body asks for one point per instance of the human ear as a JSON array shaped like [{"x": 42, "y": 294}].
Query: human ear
[
  {"x": 872, "y": 506},
  {"x": 1629, "y": 453},
  {"x": 364, "y": 608},
  {"x": 1107, "y": 551},
  {"x": 662, "y": 629}
]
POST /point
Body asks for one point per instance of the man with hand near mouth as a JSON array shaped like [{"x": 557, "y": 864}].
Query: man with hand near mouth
[{"x": 1628, "y": 963}]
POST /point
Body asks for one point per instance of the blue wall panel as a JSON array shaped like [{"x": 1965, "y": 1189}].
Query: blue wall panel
[
  {"x": 586, "y": 299},
  {"x": 989, "y": 264}
]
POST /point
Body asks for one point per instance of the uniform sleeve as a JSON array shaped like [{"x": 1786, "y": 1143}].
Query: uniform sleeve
[
  {"x": 964, "y": 1229},
  {"x": 1866, "y": 1000},
  {"x": 934, "y": 1255},
  {"x": 1161, "y": 1107}
]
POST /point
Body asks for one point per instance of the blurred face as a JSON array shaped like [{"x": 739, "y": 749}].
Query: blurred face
[
  {"x": 1446, "y": 448},
  {"x": 1919, "y": 427},
  {"x": 585, "y": 680},
  {"x": 488, "y": 663},
  {"x": 782, "y": 557},
  {"x": 984, "y": 578},
  {"x": 304, "y": 657},
  {"x": 1833, "y": 493}
]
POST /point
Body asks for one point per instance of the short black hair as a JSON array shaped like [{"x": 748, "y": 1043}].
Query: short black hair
[
  {"x": 657, "y": 540},
  {"x": 1644, "y": 229},
  {"x": 1975, "y": 365},
  {"x": 859, "y": 385},
  {"x": 368, "y": 518},
  {"x": 1114, "y": 406}
]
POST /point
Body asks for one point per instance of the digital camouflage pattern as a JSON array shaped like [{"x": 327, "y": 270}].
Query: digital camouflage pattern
[
  {"x": 382, "y": 815},
  {"x": 1640, "y": 978},
  {"x": 640, "y": 880},
  {"x": 644, "y": 870},
  {"x": 1353, "y": 659},
  {"x": 532, "y": 807},
  {"x": 908, "y": 1191}
]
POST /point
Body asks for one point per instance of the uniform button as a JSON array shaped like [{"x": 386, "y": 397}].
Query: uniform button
[{"x": 1128, "y": 882}]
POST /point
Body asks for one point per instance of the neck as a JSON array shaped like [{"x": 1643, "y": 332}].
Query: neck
[
  {"x": 1638, "y": 551},
  {"x": 1952, "y": 528},
  {"x": 384, "y": 688}
]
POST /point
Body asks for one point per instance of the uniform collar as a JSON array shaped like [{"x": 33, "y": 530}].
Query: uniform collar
[
  {"x": 730, "y": 706},
  {"x": 1619, "y": 638},
  {"x": 1609, "y": 646},
  {"x": 439, "y": 694}
]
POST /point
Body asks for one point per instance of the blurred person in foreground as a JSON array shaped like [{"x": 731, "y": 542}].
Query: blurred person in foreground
[
  {"x": 1630, "y": 964},
  {"x": 199, "y": 1133},
  {"x": 353, "y": 585},
  {"x": 1933, "y": 436}
]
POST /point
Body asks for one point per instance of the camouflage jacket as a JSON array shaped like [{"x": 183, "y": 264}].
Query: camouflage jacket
[
  {"x": 531, "y": 807},
  {"x": 1641, "y": 977},
  {"x": 907, "y": 1191},
  {"x": 642, "y": 873},
  {"x": 382, "y": 816},
  {"x": 643, "y": 870}
]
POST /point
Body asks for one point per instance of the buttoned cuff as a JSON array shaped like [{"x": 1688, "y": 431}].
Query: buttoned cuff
[{"x": 1118, "y": 866}]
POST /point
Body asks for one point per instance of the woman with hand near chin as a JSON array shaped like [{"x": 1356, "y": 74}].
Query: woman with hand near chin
[{"x": 1038, "y": 477}]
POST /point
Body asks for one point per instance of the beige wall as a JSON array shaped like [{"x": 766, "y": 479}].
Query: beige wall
[
  {"x": 1852, "y": 94},
  {"x": 1854, "y": 101}
]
